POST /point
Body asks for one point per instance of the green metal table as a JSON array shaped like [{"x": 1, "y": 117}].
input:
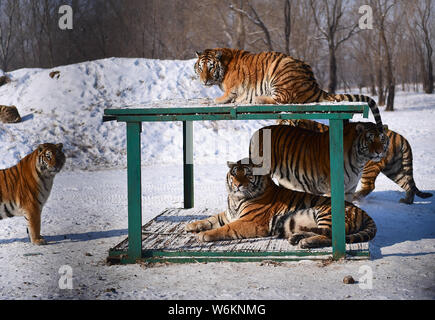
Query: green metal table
[{"x": 133, "y": 117}]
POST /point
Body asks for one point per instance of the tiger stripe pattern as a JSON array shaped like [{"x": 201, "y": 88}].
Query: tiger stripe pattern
[
  {"x": 397, "y": 164},
  {"x": 25, "y": 187},
  {"x": 299, "y": 158},
  {"x": 257, "y": 207},
  {"x": 266, "y": 78}
]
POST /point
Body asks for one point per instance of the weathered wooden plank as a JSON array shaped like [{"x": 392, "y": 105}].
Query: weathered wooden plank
[{"x": 164, "y": 238}]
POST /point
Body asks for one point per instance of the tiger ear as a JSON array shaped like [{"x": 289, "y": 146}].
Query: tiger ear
[
  {"x": 385, "y": 127},
  {"x": 40, "y": 148},
  {"x": 231, "y": 164},
  {"x": 218, "y": 55},
  {"x": 245, "y": 161},
  {"x": 359, "y": 128},
  {"x": 59, "y": 146},
  {"x": 198, "y": 54}
]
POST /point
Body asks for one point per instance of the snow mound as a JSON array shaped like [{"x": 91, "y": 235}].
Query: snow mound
[{"x": 69, "y": 109}]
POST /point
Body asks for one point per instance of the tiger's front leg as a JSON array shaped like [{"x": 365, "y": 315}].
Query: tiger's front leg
[
  {"x": 264, "y": 100},
  {"x": 227, "y": 97},
  {"x": 370, "y": 173},
  {"x": 238, "y": 229},
  {"x": 212, "y": 222},
  {"x": 34, "y": 226}
]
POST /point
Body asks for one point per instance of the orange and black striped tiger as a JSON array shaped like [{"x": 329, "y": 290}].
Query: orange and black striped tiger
[
  {"x": 396, "y": 164},
  {"x": 299, "y": 158},
  {"x": 25, "y": 187},
  {"x": 266, "y": 78},
  {"x": 257, "y": 207}
]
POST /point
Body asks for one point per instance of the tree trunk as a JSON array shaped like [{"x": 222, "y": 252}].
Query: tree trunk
[
  {"x": 390, "y": 98},
  {"x": 240, "y": 34},
  {"x": 332, "y": 86},
  {"x": 389, "y": 73},
  {"x": 380, "y": 85},
  {"x": 287, "y": 23},
  {"x": 429, "y": 87}
]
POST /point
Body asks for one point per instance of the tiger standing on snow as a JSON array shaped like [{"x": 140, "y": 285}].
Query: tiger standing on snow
[
  {"x": 257, "y": 207},
  {"x": 266, "y": 78},
  {"x": 25, "y": 187}
]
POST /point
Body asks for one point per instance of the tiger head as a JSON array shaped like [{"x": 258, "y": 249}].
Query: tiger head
[
  {"x": 242, "y": 182},
  {"x": 209, "y": 67},
  {"x": 370, "y": 143},
  {"x": 50, "y": 158}
]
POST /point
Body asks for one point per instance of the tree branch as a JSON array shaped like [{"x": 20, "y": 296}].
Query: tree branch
[{"x": 257, "y": 21}]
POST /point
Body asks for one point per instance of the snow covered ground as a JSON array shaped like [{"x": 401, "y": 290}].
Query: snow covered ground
[{"x": 86, "y": 213}]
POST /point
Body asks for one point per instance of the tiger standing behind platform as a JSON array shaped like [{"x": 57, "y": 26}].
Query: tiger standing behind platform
[
  {"x": 299, "y": 158},
  {"x": 266, "y": 78},
  {"x": 397, "y": 163},
  {"x": 257, "y": 207},
  {"x": 25, "y": 187}
]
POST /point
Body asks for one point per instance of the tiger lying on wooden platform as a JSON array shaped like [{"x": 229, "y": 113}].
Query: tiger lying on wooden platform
[{"x": 257, "y": 207}]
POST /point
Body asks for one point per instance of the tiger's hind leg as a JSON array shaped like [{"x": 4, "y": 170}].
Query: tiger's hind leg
[
  {"x": 307, "y": 240},
  {"x": 296, "y": 237},
  {"x": 409, "y": 198},
  {"x": 400, "y": 170},
  {"x": 316, "y": 241}
]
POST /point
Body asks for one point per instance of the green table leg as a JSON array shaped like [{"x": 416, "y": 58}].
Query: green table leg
[
  {"x": 188, "y": 164},
  {"x": 134, "y": 191},
  {"x": 337, "y": 188}
]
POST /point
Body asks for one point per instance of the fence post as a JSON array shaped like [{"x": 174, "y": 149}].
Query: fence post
[
  {"x": 337, "y": 188},
  {"x": 188, "y": 164},
  {"x": 134, "y": 190}
]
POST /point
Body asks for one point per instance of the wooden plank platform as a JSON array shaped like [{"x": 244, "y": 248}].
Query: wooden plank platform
[{"x": 164, "y": 239}]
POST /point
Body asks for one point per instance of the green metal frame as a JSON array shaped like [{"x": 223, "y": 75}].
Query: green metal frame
[{"x": 135, "y": 116}]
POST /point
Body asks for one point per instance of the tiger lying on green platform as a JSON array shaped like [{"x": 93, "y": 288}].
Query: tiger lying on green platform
[{"x": 257, "y": 207}]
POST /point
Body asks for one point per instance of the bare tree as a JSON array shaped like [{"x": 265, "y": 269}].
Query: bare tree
[
  {"x": 382, "y": 8},
  {"x": 256, "y": 20},
  {"x": 287, "y": 24},
  {"x": 328, "y": 17},
  {"x": 234, "y": 23},
  {"x": 321, "y": 32},
  {"x": 8, "y": 9},
  {"x": 365, "y": 56},
  {"x": 421, "y": 31}
]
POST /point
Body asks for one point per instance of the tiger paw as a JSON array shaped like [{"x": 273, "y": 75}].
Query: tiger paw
[
  {"x": 304, "y": 244},
  {"x": 296, "y": 238},
  {"x": 191, "y": 227},
  {"x": 406, "y": 201},
  {"x": 203, "y": 237},
  {"x": 194, "y": 227},
  {"x": 39, "y": 242},
  {"x": 197, "y": 226}
]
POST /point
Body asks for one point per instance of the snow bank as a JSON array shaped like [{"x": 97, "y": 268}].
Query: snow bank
[{"x": 69, "y": 109}]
